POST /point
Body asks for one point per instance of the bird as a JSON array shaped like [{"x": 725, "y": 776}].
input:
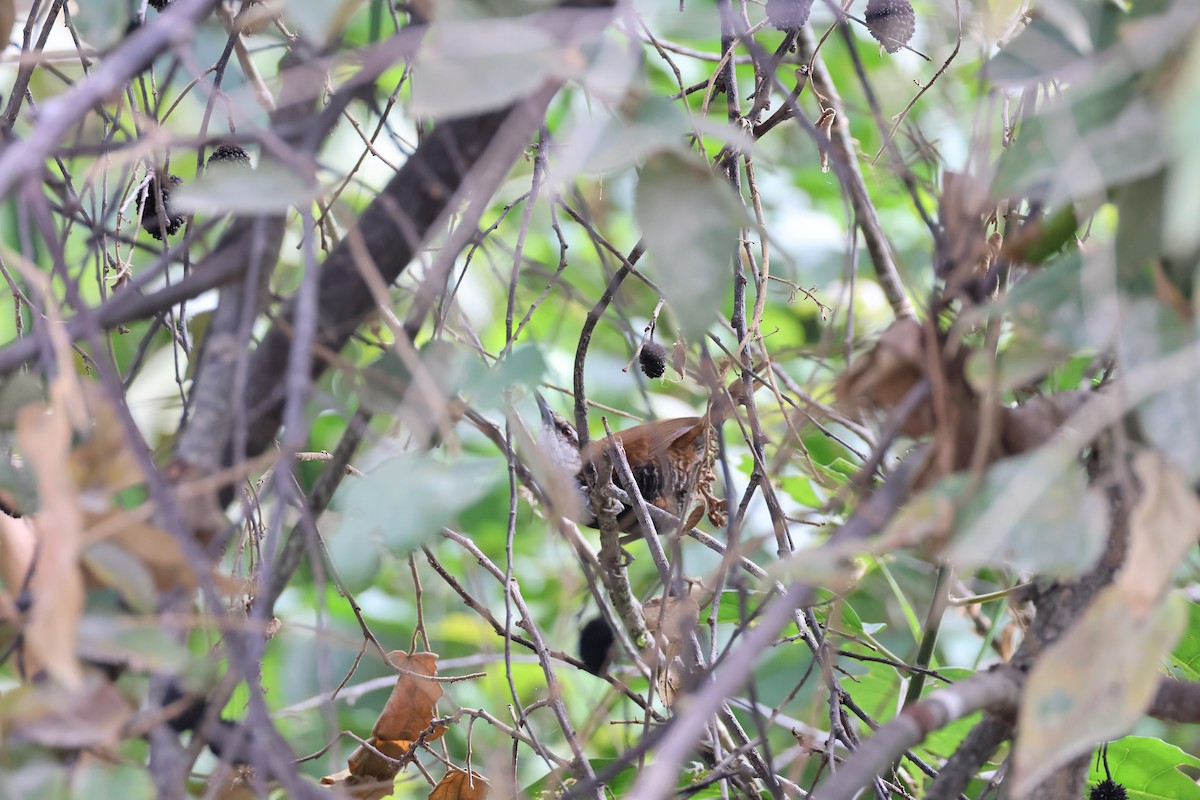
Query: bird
[{"x": 670, "y": 459}]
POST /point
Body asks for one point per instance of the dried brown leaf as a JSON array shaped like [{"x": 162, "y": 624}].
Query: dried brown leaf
[
  {"x": 825, "y": 126},
  {"x": 1093, "y": 683},
  {"x": 53, "y": 716},
  {"x": 8, "y": 15},
  {"x": 885, "y": 374},
  {"x": 44, "y": 437},
  {"x": 1031, "y": 424},
  {"x": 672, "y": 622},
  {"x": 409, "y": 710},
  {"x": 157, "y": 550},
  {"x": 1163, "y": 528},
  {"x": 460, "y": 785},
  {"x": 18, "y": 540},
  {"x": 679, "y": 356},
  {"x": 104, "y": 463},
  {"x": 363, "y": 789},
  {"x": 963, "y": 244},
  {"x": 367, "y": 765}
]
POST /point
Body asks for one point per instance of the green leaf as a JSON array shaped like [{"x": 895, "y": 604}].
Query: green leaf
[
  {"x": 404, "y": 501},
  {"x": 467, "y": 66},
  {"x": 691, "y": 220},
  {"x": 99, "y": 780},
  {"x": 322, "y": 22},
  {"x": 1186, "y": 655},
  {"x": 1041, "y": 51},
  {"x": 1023, "y": 513},
  {"x": 272, "y": 188},
  {"x": 1081, "y": 146},
  {"x": 1149, "y": 332},
  {"x": 1141, "y": 209},
  {"x": 523, "y": 366},
  {"x": 802, "y": 490},
  {"x": 1149, "y": 769},
  {"x": 1024, "y": 360},
  {"x": 102, "y": 23},
  {"x": 1064, "y": 307},
  {"x": 1182, "y": 208},
  {"x": 1112, "y": 652}
]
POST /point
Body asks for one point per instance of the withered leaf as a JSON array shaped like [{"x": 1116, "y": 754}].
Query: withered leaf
[
  {"x": 52, "y": 716},
  {"x": 44, "y": 436},
  {"x": 410, "y": 709},
  {"x": 671, "y": 622},
  {"x": 1093, "y": 683},
  {"x": 362, "y": 789},
  {"x": 1163, "y": 527},
  {"x": 153, "y": 547},
  {"x": 365, "y": 764},
  {"x": 883, "y": 376},
  {"x": 460, "y": 785},
  {"x": 104, "y": 462}
]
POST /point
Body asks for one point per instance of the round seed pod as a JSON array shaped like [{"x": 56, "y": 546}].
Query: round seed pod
[
  {"x": 788, "y": 14},
  {"x": 891, "y": 22},
  {"x": 1108, "y": 789},
  {"x": 596, "y": 645},
  {"x": 229, "y": 154},
  {"x": 653, "y": 359},
  {"x": 154, "y": 191}
]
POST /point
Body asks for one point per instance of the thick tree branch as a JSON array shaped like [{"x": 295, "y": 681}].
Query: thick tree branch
[
  {"x": 1176, "y": 701},
  {"x": 864, "y": 210},
  {"x": 998, "y": 690}
]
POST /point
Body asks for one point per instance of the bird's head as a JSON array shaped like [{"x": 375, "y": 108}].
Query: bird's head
[{"x": 558, "y": 439}]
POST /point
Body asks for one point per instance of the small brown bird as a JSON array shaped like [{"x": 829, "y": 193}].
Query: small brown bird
[{"x": 671, "y": 460}]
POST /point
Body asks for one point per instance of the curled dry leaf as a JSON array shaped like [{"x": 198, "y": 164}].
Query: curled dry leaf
[
  {"x": 408, "y": 713},
  {"x": 44, "y": 436},
  {"x": 882, "y": 378},
  {"x": 1031, "y": 424},
  {"x": 410, "y": 708},
  {"x": 671, "y": 622},
  {"x": 1093, "y": 683},
  {"x": 1113, "y": 653},
  {"x": 155, "y": 549},
  {"x": 361, "y": 789},
  {"x": 104, "y": 463},
  {"x": 53, "y": 716},
  {"x": 825, "y": 126},
  {"x": 679, "y": 357},
  {"x": 460, "y": 785},
  {"x": 1163, "y": 528},
  {"x": 963, "y": 244},
  {"x": 886, "y": 373}
]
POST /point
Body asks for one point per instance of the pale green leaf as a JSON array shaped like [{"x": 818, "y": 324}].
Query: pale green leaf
[
  {"x": 1149, "y": 769},
  {"x": 690, "y": 219},
  {"x": 1091, "y": 684},
  {"x": 272, "y": 188}
]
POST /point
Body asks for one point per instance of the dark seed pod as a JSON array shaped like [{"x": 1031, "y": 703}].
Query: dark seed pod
[
  {"x": 1108, "y": 789},
  {"x": 160, "y": 5},
  {"x": 150, "y": 221},
  {"x": 653, "y": 359},
  {"x": 788, "y": 14},
  {"x": 229, "y": 154},
  {"x": 596, "y": 645},
  {"x": 891, "y": 22}
]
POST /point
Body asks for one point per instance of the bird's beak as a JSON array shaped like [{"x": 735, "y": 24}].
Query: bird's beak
[{"x": 546, "y": 411}]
